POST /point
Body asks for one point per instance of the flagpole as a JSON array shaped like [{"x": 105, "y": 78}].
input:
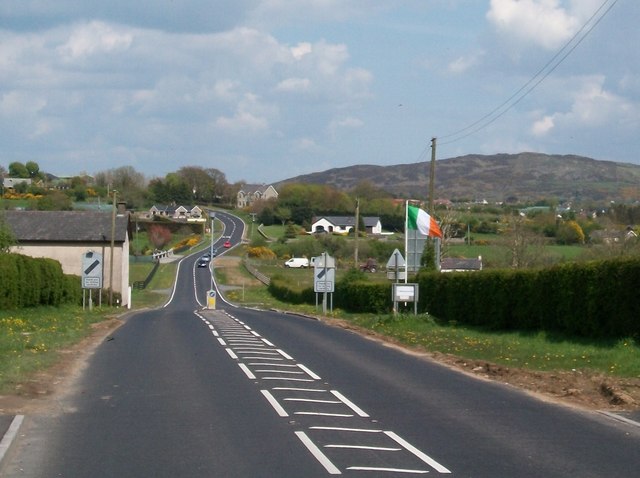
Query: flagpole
[{"x": 406, "y": 239}]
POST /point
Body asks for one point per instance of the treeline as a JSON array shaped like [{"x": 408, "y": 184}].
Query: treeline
[
  {"x": 592, "y": 300},
  {"x": 30, "y": 282}
]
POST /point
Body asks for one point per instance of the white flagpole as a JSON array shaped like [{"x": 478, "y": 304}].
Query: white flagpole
[{"x": 406, "y": 240}]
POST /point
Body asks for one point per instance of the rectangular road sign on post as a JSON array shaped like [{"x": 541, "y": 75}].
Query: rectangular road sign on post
[{"x": 91, "y": 272}]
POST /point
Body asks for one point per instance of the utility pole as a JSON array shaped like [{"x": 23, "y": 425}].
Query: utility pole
[
  {"x": 113, "y": 233},
  {"x": 355, "y": 255},
  {"x": 432, "y": 175}
]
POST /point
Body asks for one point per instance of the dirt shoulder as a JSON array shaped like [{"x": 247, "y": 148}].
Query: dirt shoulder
[{"x": 43, "y": 391}]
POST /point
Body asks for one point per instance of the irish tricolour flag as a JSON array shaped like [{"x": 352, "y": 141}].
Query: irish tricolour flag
[{"x": 419, "y": 220}]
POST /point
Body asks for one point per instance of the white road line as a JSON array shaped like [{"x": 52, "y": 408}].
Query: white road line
[
  {"x": 288, "y": 379},
  {"x": 284, "y": 372},
  {"x": 424, "y": 457},
  {"x": 311, "y": 400},
  {"x": 274, "y": 403},
  {"x": 283, "y": 365},
  {"x": 10, "y": 435},
  {"x": 294, "y": 389},
  {"x": 284, "y": 354},
  {"x": 242, "y": 350},
  {"x": 308, "y": 371},
  {"x": 342, "y": 429},
  {"x": 262, "y": 358},
  {"x": 319, "y": 414},
  {"x": 364, "y": 447},
  {"x": 246, "y": 370},
  {"x": 388, "y": 470},
  {"x": 231, "y": 354},
  {"x": 222, "y": 342},
  {"x": 317, "y": 453},
  {"x": 350, "y": 404},
  {"x": 255, "y": 333},
  {"x": 268, "y": 343}
]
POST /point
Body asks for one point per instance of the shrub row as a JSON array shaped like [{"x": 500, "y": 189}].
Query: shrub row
[
  {"x": 597, "y": 299},
  {"x": 593, "y": 300},
  {"x": 29, "y": 282}
]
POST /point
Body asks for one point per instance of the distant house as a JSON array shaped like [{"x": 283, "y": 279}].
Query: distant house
[
  {"x": 608, "y": 236},
  {"x": 175, "y": 212},
  {"x": 11, "y": 183},
  {"x": 249, "y": 193},
  {"x": 66, "y": 236},
  {"x": 344, "y": 224},
  {"x": 454, "y": 264}
]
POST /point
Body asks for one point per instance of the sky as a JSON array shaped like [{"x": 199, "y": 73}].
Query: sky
[{"x": 266, "y": 90}]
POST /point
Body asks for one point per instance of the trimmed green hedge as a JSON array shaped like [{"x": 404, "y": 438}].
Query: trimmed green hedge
[
  {"x": 595, "y": 300},
  {"x": 29, "y": 282}
]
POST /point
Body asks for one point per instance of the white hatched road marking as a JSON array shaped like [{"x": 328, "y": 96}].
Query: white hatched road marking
[
  {"x": 315, "y": 451},
  {"x": 242, "y": 343}
]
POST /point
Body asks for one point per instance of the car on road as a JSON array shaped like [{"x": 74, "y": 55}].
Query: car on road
[
  {"x": 227, "y": 244},
  {"x": 202, "y": 262}
]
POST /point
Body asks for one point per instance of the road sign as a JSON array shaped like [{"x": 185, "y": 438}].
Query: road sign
[
  {"x": 91, "y": 270},
  {"x": 324, "y": 274},
  {"x": 211, "y": 299}
]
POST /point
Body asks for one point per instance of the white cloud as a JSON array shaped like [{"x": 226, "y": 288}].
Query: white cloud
[
  {"x": 95, "y": 38},
  {"x": 464, "y": 63},
  {"x": 294, "y": 84},
  {"x": 592, "y": 106},
  {"x": 301, "y": 50},
  {"x": 542, "y": 126},
  {"x": 542, "y": 22}
]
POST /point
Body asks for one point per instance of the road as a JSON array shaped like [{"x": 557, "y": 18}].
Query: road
[{"x": 187, "y": 392}]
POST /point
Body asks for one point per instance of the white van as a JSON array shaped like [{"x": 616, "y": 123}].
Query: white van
[{"x": 297, "y": 262}]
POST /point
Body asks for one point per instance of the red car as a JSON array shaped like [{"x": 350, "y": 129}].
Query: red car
[{"x": 227, "y": 244}]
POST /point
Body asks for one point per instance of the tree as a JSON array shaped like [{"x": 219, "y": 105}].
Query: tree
[
  {"x": 570, "y": 232},
  {"x": 159, "y": 235},
  {"x": 7, "y": 238},
  {"x": 130, "y": 184},
  {"x": 33, "y": 169},
  {"x": 18, "y": 170}
]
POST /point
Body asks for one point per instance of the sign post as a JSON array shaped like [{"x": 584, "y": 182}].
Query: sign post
[
  {"x": 91, "y": 274},
  {"x": 324, "y": 279},
  {"x": 211, "y": 299}
]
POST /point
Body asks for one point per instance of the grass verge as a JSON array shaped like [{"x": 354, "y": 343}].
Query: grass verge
[{"x": 31, "y": 338}]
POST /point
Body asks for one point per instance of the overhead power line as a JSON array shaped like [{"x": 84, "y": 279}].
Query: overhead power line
[{"x": 535, "y": 80}]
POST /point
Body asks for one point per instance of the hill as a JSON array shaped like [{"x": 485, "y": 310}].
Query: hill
[{"x": 500, "y": 177}]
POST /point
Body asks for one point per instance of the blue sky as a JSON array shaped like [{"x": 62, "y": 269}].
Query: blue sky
[{"x": 267, "y": 90}]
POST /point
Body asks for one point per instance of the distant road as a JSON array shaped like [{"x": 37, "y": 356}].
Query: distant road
[{"x": 184, "y": 392}]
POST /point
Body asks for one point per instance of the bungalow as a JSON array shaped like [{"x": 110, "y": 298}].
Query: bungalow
[
  {"x": 67, "y": 235},
  {"x": 249, "y": 193},
  {"x": 454, "y": 264},
  {"x": 344, "y": 224},
  {"x": 175, "y": 212}
]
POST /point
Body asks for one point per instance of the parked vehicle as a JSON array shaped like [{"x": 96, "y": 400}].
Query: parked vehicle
[
  {"x": 370, "y": 266},
  {"x": 297, "y": 262}
]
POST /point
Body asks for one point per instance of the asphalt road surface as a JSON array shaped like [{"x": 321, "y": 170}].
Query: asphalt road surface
[{"x": 187, "y": 392}]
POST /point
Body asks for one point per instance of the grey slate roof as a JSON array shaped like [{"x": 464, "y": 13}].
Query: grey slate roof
[{"x": 65, "y": 226}]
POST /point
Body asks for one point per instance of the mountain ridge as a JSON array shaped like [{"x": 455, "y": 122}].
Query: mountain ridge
[{"x": 525, "y": 176}]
